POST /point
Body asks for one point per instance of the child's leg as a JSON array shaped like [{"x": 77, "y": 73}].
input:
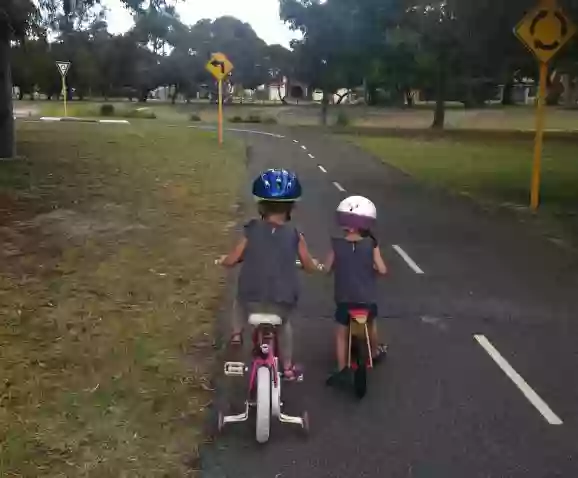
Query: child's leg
[
  {"x": 238, "y": 321},
  {"x": 341, "y": 345},
  {"x": 378, "y": 350},
  {"x": 374, "y": 338},
  {"x": 286, "y": 343}
]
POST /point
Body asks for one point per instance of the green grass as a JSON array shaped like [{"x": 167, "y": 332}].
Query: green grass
[
  {"x": 493, "y": 171},
  {"x": 492, "y": 117},
  {"x": 108, "y": 296}
]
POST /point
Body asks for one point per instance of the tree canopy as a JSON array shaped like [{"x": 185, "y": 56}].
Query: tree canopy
[{"x": 390, "y": 47}]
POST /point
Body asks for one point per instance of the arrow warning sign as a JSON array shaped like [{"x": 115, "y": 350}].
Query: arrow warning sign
[
  {"x": 219, "y": 66},
  {"x": 63, "y": 67}
]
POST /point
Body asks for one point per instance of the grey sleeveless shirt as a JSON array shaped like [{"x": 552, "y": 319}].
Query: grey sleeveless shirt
[
  {"x": 354, "y": 276},
  {"x": 268, "y": 272}
]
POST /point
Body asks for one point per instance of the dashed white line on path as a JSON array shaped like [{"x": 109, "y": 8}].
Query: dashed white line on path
[
  {"x": 339, "y": 186},
  {"x": 515, "y": 377},
  {"x": 253, "y": 131},
  {"x": 295, "y": 141},
  {"x": 409, "y": 261},
  {"x": 234, "y": 130},
  {"x": 323, "y": 170},
  {"x": 303, "y": 147},
  {"x": 310, "y": 155}
]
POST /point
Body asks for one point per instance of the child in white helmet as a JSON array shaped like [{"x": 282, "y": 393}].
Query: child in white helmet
[{"x": 356, "y": 261}]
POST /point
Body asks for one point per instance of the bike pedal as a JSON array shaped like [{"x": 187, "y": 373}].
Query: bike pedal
[{"x": 235, "y": 369}]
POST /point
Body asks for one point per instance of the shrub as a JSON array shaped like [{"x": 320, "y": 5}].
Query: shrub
[
  {"x": 195, "y": 117},
  {"x": 342, "y": 119},
  {"x": 270, "y": 120},
  {"x": 107, "y": 110},
  {"x": 236, "y": 119},
  {"x": 253, "y": 118},
  {"x": 140, "y": 113}
]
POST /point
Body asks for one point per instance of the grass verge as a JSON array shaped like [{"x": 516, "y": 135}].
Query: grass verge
[
  {"x": 495, "y": 172},
  {"x": 90, "y": 109},
  {"x": 108, "y": 295}
]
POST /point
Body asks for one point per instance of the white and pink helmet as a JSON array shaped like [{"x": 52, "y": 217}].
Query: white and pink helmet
[{"x": 356, "y": 212}]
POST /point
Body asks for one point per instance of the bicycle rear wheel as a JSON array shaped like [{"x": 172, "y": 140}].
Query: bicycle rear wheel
[{"x": 359, "y": 353}]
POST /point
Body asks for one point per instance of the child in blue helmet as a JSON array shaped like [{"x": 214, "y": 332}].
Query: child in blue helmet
[{"x": 268, "y": 280}]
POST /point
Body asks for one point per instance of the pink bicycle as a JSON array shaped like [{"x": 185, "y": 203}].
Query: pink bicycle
[{"x": 264, "y": 393}]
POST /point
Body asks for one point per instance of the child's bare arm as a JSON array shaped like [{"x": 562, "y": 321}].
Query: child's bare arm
[
  {"x": 235, "y": 256},
  {"x": 328, "y": 264},
  {"x": 378, "y": 262},
  {"x": 308, "y": 263}
]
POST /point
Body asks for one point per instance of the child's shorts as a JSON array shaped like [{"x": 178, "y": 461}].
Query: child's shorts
[{"x": 343, "y": 308}]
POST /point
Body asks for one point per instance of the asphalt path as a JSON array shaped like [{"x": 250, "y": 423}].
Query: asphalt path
[{"x": 480, "y": 314}]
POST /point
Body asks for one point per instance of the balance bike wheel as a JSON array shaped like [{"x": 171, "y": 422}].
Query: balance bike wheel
[
  {"x": 360, "y": 373},
  {"x": 263, "y": 418}
]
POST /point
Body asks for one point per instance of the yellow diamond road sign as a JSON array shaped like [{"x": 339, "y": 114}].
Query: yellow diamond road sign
[
  {"x": 545, "y": 30},
  {"x": 219, "y": 66}
]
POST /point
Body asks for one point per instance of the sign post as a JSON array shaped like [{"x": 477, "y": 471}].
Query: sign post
[
  {"x": 544, "y": 31},
  {"x": 219, "y": 66},
  {"x": 63, "y": 67},
  {"x": 539, "y": 139}
]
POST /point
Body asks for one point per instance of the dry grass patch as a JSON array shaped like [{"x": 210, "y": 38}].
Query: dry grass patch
[{"x": 108, "y": 297}]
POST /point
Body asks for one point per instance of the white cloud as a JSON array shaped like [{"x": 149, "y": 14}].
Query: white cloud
[{"x": 262, "y": 15}]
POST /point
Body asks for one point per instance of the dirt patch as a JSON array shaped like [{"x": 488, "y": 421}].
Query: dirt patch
[
  {"x": 10, "y": 209},
  {"x": 73, "y": 224}
]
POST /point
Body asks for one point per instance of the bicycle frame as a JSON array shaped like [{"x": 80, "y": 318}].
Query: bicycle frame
[
  {"x": 264, "y": 336},
  {"x": 265, "y": 346},
  {"x": 358, "y": 331}
]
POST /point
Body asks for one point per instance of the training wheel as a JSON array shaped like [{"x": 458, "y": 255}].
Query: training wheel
[
  {"x": 305, "y": 418},
  {"x": 220, "y": 422}
]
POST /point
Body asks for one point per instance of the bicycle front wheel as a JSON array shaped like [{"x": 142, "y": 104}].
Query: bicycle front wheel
[{"x": 263, "y": 419}]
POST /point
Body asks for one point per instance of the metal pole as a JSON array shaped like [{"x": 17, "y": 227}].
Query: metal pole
[
  {"x": 220, "y": 118},
  {"x": 538, "y": 143}
]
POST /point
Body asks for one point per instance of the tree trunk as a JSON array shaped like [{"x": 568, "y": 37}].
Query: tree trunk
[
  {"x": 371, "y": 96},
  {"x": 440, "y": 108},
  {"x": 507, "y": 94},
  {"x": 555, "y": 89},
  {"x": 324, "y": 107},
  {"x": 7, "y": 147},
  {"x": 567, "y": 95},
  {"x": 174, "y": 95},
  {"x": 409, "y": 97}
]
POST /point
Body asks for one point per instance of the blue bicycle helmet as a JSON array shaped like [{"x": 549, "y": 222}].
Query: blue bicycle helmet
[{"x": 277, "y": 185}]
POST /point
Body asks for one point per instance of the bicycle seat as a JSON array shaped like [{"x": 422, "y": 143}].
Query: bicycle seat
[
  {"x": 359, "y": 315},
  {"x": 265, "y": 319}
]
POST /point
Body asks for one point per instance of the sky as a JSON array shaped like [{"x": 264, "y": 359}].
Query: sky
[{"x": 262, "y": 15}]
